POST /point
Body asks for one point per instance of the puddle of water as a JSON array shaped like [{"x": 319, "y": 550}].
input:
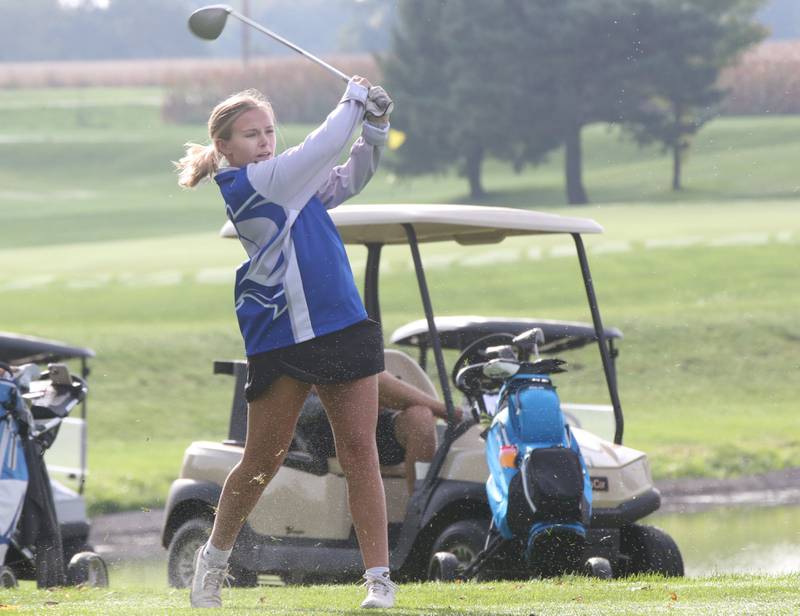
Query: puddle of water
[{"x": 736, "y": 539}]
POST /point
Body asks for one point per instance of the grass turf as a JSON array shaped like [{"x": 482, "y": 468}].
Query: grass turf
[
  {"x": 571, "y": 595},
  {"x": 102, "y": 249}
]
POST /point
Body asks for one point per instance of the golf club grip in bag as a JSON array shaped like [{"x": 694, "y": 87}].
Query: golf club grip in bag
[{"x": 548, "y": 484}]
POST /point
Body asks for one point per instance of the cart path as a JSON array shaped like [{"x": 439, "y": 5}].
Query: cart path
[{"x": 136, "y": 535}]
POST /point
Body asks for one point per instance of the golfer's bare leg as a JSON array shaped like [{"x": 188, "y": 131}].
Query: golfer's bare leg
[
  {"x": 415, "y": 430},
  {"x": 353, "y": 412},
  {"x": 271, "y": 421}
]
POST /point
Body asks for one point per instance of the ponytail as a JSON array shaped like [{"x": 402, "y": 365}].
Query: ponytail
[
  {"x": 202, "y": 161},
  {"x": 199, "y": 162}
]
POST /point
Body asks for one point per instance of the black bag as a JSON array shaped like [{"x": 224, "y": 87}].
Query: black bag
[{"x": 547, "y": 488}]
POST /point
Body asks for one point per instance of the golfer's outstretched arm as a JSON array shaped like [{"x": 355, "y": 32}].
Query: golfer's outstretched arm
[
  {"x": 350, "y": 178},
  {"x": 296, "y": 175}
]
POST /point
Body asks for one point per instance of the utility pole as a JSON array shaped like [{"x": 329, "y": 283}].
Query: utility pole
[{"x": 245, "y": 34}]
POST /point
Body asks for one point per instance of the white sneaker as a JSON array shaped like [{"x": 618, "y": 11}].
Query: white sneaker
[
  {"x": 380, "y": 591},
  {"x": 207, "y": 582}
]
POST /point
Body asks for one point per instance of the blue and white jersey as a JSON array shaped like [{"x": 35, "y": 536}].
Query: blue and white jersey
[{"x": 297, "y": 283}]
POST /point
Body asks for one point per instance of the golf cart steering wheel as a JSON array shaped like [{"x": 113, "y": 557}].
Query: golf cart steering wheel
[{"x": 475, "y": 353}]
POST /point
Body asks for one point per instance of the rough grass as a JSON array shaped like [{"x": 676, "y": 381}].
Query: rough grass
[
  {"x": 569, "y": 595},
  {"x": 102, "y": 249}
]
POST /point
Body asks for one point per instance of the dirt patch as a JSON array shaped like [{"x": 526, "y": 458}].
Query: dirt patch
[{"x": 767, "y": 490}]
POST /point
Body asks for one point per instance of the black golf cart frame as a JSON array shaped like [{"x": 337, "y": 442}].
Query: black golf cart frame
[{"x": 429, "y": 499}]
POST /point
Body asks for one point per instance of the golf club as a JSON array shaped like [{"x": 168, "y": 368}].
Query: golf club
[{"x": 209, "y": 22}]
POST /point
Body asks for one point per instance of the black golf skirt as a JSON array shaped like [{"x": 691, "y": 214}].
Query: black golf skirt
[{"x": 351, "y": 353}]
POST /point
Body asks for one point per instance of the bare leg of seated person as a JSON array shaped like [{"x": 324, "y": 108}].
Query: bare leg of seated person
[
  {"x": 415, "y": 430},
  {"x": 415, "y": 425}
]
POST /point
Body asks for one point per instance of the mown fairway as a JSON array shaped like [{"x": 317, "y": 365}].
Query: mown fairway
[
  {"x": 100, "y": 248},
  {"x": 570, "y": 595}
]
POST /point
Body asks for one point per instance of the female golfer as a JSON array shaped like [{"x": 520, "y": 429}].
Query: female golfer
[{"x": 299, "y": 312}]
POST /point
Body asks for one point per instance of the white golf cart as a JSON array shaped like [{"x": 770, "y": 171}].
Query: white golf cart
[
  {"x": 301, "y": 529},
  {"x": 53, "y": 516}
]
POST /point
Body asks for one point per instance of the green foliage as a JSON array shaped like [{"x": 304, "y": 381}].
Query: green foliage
[
  {"x": 690, "y": 44},
  {"x": 518, "y": 80},
  {"x": 415, "y": 74}
]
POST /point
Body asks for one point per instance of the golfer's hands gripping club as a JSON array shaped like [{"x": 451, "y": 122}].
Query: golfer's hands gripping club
[{"x": 379, "y": 106}]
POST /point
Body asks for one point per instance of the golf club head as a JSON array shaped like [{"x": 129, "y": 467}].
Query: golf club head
[{"x": 209, "y": 21}]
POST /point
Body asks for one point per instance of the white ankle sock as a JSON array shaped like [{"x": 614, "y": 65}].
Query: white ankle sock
[
  {"x": 215, "y": 556},
  {"x": 378, "y": 572}
]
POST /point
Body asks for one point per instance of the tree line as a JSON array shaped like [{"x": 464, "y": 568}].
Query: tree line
[
  {"x": 41, "y": 30},
  {"x": 519, "y": 79}
]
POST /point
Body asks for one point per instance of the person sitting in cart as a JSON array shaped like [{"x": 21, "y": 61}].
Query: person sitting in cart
[{"x": 406, "y": 430}]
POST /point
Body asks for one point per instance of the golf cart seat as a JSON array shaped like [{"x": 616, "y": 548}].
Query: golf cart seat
[{"x": 406, "y": 369}]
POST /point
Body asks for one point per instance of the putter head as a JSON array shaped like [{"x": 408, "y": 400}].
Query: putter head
[{"x": 209, "y": 21}]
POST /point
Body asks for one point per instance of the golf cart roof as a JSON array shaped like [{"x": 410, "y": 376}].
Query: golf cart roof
[
  {"x": 465, "y": 224},
  {"x": 457, "y": 332},
  {"x": 18, "y": 349}
]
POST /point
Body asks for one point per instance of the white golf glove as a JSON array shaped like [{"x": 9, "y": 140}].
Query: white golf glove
[{"x": 379, "y": 105}]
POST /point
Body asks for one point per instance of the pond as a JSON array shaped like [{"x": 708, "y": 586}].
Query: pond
[
  {"x": 744, "y": 539},
  {"x": 741, "y": 539}
]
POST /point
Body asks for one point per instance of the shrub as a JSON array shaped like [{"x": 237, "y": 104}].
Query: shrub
[
  {"x": 765, "y": 81},
  {"x": 298, "y": 90}
]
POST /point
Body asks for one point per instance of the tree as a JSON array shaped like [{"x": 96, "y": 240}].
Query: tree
[
  {"x": 584, "y": 67},
  {"x": 519, "y": 78},
  {"x": 419, "y": 87},
  {"x": 515, "y": 78},
  {"x": 687, "y": 45},
  {"x": 459, "y": 97},
  {"x": 48, "y": 30}
]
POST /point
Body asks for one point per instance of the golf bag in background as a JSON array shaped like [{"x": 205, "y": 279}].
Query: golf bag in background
[
  {"x": 34, "y": 521},
  {"x": 539, "y": 489},
  {"x": 13, "y": 469}
]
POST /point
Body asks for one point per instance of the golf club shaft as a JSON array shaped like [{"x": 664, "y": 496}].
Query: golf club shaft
[{"x": 289, "y": 44}]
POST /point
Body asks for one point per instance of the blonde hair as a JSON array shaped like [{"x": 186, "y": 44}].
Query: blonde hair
[{"x": 201, "y": 161}]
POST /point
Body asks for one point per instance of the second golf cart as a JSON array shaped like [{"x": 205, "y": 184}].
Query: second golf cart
[{"x": 301, "y": 529}]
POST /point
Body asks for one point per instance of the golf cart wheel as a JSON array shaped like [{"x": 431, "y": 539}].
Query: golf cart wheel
[
  {"x": 464, "y": 540},
  {"x": 87, "y": 569},
  {"x": 7, "y": 578},
  {"x": 72, "y": 547},
  {"x": 599, "y": 568},
  {"x": 180, "y": 556},
  {"x": 443, "y": 567},
  {"x": 650, "y": 550}
]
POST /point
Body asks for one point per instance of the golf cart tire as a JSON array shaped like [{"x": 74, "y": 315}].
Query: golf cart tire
[
  {"x": 599, "y": 568},
  {"x": 72, "y": 547},
  {"x": 650, "y": 550},
  {"x": 87, "y": 569},
  {"x": 7, "y": 578},
  {"x": 443, "y": 567},
  {"x": 463, "y": 539},
  {"x": 180, "y": 555}
]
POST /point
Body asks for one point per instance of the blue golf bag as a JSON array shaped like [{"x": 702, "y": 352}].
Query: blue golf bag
[
  {"x": 539, "y": 489},
  {"x": 13, "y": 468},
  {"x": 29, "y": 529}
]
